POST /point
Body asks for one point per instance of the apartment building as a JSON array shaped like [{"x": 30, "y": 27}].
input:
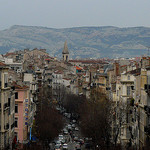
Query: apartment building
[
  {"x": 6, "y": 109},
  {"x": 22, "y": 102}
]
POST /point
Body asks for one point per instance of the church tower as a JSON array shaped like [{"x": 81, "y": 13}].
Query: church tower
[{"x": 65, "y": 52}]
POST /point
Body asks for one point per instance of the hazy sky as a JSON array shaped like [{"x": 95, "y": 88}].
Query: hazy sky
[{"x": 74, "y": 13}]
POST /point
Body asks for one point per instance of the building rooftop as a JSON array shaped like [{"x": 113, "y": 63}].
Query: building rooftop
[{"x": 2, "y": 64}]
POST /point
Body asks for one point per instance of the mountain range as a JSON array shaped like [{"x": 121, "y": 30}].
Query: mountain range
[{"x": 83, "y": 42}]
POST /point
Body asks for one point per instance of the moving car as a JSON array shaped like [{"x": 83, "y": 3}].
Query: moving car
[
  {"x": 57, "y": 147},
  {"x": 58, "y": 143},
  {"x": 65, "y": 131},
  {"x": 60, "y": 137},
  {"x": 65, "y": 146},
  {"x": 63, "y": 141}
]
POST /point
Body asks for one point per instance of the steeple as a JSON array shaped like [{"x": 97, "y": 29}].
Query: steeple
[{"x": 65, "y": 50}]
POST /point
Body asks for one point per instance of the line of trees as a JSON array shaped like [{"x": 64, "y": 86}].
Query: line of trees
[
  {"x": 48, "y": 122},
  {"x": 95, "y": 120},
  {"x": 94, "y": 117}
]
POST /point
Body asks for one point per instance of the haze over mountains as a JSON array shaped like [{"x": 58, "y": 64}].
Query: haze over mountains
[{"x": 83, "y": 42}]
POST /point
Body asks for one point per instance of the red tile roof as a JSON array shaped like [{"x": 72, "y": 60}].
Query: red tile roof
[
  {"x": 2, "y": 64},
  {"x": 66, "y": 79},
  {"x": 19, "y": 86},
  {"x": 48, "y": 59},
  {"x": 9, "y": 54},
  {"x": 58, "y": 72},
  {"x": 78, "y": 68},
  {"x": 89, "y": 61}
]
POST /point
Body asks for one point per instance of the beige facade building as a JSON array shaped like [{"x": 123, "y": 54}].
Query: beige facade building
[{"x": 6, "y": 109}]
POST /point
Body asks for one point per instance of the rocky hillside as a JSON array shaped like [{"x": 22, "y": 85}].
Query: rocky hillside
[{"x": 91, "y": 42}]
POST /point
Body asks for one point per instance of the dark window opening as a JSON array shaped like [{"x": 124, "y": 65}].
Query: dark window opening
[{"x": 16, "y": 95}]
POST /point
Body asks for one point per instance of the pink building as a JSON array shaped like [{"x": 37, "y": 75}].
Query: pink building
[{"x": 21, "y": 112}]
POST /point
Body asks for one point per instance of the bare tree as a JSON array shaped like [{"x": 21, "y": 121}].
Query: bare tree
[
  {"x": 73, "y": 103},
  {"x": 95, "y": 120},
  {"x": 48, "y": 122}
]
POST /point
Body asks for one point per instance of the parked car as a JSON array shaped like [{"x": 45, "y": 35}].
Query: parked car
[
  {"x": 73, "y": 125},
  {"x": 81, "y": 141},
  {"x": 68, "y": 115},
  {"x": 69, "y": 125},
  {"x": 63, "y": 141},
  {"x": 77, "y": 146},
  {"x": 65, "y": 131},
  {"x": 75, "y": 138},
  {"x": 76, "y": 129},
  {"x": 57, "y": 108},
  {"x": 88, "y": 145},
  {"x": 74, "y": 121},
  {"x": 65, "y": 114}
]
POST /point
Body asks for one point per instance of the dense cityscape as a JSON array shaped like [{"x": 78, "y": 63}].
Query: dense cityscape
[{"x": 51, "y": 103}]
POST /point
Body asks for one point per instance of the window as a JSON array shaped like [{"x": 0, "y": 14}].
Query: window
[
  {"x": 5, "y": 80},
  {"x": 16, "y": 122},
  {"x": 117, "y": 93},
  {"x": 128, "y": 90},
  {"x": 16, "y": 108},
  {"x": 9, "y": 102},
  {"x": 16, "y": 95},
  {"x": 128, "y": 77}
]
